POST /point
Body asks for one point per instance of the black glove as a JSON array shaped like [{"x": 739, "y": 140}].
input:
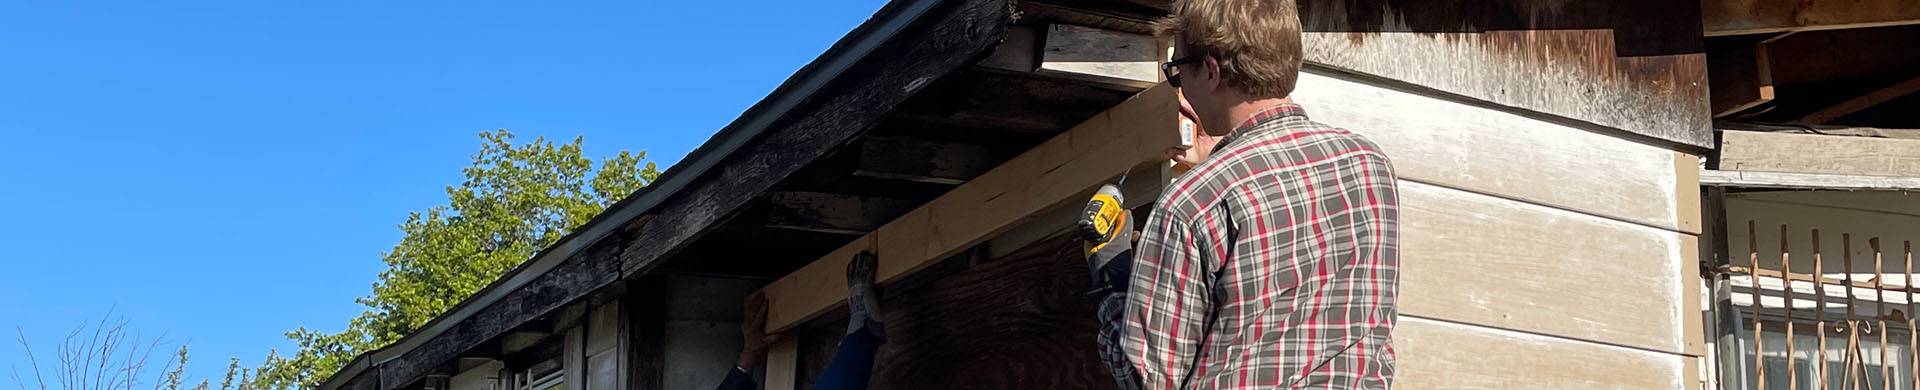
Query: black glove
[{"x": 1112, "y": 262}]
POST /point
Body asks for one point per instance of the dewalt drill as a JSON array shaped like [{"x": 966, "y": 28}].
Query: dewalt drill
[{"x": 1103, "y": 226}]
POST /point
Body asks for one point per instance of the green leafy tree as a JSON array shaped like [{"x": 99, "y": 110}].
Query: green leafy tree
[{"x": 515, "y": 201}]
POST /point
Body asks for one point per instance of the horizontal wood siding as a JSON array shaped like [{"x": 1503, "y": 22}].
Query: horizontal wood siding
[
  {"x": 1535, "y": 254},
  {"x": 1440, "y": 355},
  {"x": 1493, "y": 262},
  {"x": 1482, "y": 150}
]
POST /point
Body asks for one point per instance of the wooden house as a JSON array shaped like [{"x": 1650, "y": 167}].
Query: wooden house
[{"x": 1553, "y": 156}]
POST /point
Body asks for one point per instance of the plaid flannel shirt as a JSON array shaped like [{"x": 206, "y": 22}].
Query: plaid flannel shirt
[{"x": 1274, "y": 264}]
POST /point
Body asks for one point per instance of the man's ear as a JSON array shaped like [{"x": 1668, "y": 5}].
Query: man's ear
[{"x": 1212, "y": 71}]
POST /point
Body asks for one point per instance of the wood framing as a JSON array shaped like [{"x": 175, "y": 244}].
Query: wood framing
[
  {"x": 923, "y": 161},
  {"x": 1807, "y": 181},
  {"x": 1819, "y": 154},
  {"x": 832, "y": 213},
  {"x": 1736, "y": 17},
  {"x": 1101, "y": 56},
  {"x": 1742, "y": 78},
  {"x": 782, "y": 360},
  {"x": 1051, "y": 174},
  {"x": 1862, "y": 102}
]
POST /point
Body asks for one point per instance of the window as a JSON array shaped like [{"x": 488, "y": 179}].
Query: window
[{"x": 1806, "y": 351}]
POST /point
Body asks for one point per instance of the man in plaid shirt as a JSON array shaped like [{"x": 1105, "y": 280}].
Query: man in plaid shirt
[{"x": 1274, "y": 262}]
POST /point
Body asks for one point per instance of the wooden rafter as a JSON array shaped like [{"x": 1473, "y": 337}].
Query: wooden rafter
[
  {"x": 1862, "y": 102},
  {"x": 1049, "y": 175},
  {"x": 1737, "y": 17}
]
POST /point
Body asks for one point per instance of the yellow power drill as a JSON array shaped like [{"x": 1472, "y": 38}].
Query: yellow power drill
[{"x": 1101, "y": 222}]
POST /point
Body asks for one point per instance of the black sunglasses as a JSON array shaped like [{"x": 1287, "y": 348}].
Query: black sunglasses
[{"x": 1171, "y": 68}]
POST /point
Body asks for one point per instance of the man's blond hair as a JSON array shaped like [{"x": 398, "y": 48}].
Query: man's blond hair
[{"x": 1257, "y": 42}]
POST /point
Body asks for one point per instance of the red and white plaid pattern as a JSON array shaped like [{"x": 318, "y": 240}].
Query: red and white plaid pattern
[{"x": 1272, "y": 265}]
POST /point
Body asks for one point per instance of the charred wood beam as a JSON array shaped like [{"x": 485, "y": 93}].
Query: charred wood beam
[
  {"x": 925, "y": 161},
  {"x": 948, "y": 36},
  {"x": 1012, "y": 102},
  {"x": 833, "y": 213},
  {"x": 956, "y": 35}
]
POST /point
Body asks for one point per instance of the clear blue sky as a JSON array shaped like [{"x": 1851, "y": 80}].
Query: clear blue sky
[{"x": 227, "y": 171}]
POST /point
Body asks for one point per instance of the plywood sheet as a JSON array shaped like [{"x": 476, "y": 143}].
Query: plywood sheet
[
  {"x": 1441, "y": 355},
  {"x": 1483, "y": 260},
  {"x": 1477, "y": 149}
]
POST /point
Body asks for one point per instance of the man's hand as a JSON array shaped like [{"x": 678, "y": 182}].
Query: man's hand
[
  {"x": 1117, "y": 253},
  {"x": 1186, "y": 158},
  {"x": 753, "y": 331}
]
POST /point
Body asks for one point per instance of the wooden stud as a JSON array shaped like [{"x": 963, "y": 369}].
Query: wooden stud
[
  {"x": 783, "y": 363},
  {"x": 1061, "y": 170},
  {"x": 1863, "y": 102},
  {"x": 1691, "y": 315},
  {"x": 1741, "y": 79},
  {"x": 1686, "y": 192}
]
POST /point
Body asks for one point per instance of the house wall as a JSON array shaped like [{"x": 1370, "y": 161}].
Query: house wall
[{"x": 1534, "y": 253}]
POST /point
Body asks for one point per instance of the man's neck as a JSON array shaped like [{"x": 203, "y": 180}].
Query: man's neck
[{"x": 1237, "y": 114}]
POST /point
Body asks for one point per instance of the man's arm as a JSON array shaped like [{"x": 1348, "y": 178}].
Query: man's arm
[
  {"x": 1167, "y": 304},
  {"x": 1153, "y": 315}
]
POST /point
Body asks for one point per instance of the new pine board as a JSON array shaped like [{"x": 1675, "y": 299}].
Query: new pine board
[
  {"x": 1482, "y": 150},
  {"x": 1063, "y": 169}
]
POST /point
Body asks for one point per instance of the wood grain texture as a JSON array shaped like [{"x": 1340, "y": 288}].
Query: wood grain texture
[
  {"x": 1477, "y": 149},
  {"x": 923, "y": 160},
  {"x": 1808, "y": 181},
  {"x": 1101, "y": 56},
  {"x": 955, "y": 36},
  {"x": 1487, "y": 261},
  {"x": 1823, "y": 154},
  {"x": 1636, "y": 66},
  {"x": 832, "y": 213},
  {"x": 1440, "y": 355},
  {"x": 1016, "y": 322},
  {"x": 1686, "y": 192},
  {"x": 1061, "y": 170},
  {"x": 782, "y": 364},
  {"x": 1742, "y": 78},
  {"x": 1734, "y": 17}
]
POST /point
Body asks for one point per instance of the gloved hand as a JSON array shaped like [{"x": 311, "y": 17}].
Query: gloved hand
[{"x": 1111, "y": 262}]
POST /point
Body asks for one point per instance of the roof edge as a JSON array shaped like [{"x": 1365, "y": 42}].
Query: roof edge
[{"x": 880, "y": 28}]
